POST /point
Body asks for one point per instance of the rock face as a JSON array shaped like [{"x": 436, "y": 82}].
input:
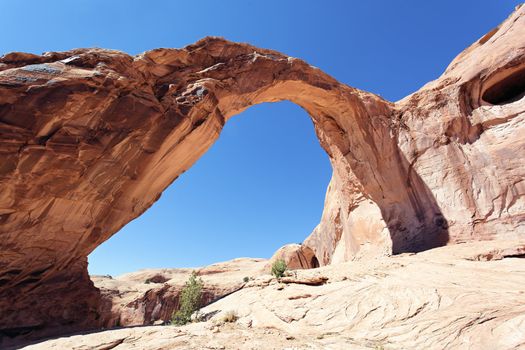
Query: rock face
[
  {"x": 90, "y": 138},
  {"x": 461, "y": 143},
  {"x": 469, "y": 296}
]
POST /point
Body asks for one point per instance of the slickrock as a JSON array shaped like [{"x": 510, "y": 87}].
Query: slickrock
[
  {"x": 90, "y": 138},
  {"x": 439, "y": 299}
]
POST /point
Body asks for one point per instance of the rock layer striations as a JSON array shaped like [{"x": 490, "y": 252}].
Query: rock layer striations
[{"x": 90, "y": 138}]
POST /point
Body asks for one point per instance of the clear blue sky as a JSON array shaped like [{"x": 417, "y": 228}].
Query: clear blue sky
[{"x": 263, "y": 183}]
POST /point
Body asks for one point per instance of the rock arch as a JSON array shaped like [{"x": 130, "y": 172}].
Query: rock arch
[
  {"x": 90, "y": 138},
  {"x": 102, "y": 134}
]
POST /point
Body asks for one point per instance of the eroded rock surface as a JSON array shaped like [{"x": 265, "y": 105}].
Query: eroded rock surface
[
  {"x": 148, "y": 297},
  {"x": 296, "y": 256},
  {"x": 90, "y": 138},
  {"x": 444, "y": 298},
  {"x": 463, "y": 135}
]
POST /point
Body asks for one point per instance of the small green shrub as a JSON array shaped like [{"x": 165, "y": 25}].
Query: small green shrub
[
  {"x": 278, "y": 268},
  {"x": 189, "y": 300},
  {"x": 246, "y": 279}
]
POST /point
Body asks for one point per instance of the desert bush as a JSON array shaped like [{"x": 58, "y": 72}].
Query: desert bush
[
  {"x": 278, "y": 268},
  {"x": 246, "y": 279},
  {"x": 189, "y": 300},
  {"x": 229, "y": 317}
]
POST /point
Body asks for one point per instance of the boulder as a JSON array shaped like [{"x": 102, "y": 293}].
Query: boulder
[{"x": 296, "y": 256}]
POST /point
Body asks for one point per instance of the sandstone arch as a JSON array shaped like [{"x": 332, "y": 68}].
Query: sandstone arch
[
  {"x": 90, "y": 138},
  {"x": 120, "y": 129}
]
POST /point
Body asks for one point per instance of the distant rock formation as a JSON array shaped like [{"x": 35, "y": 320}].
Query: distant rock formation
[
  {"x": 90, "y": 138},
  {"x": 147, "y": 297},
  {"x": 296, "y": 256}
]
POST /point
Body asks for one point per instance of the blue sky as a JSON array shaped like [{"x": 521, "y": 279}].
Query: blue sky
[{"x": 263, "y": 183}]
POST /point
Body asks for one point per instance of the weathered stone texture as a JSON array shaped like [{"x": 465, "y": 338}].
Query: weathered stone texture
[{"x": 90, "y": 138}]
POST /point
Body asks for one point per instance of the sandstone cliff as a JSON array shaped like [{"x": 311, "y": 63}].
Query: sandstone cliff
[{"x": 90, "y": 138}]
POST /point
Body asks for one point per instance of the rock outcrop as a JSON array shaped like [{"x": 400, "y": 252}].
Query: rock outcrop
[
  {"x": 148, "y": 297},
  {"x": 463, "y": 135},
  {"x": 296, "y": 256},
  {"x": 444, "y": 298},
  {"x": 90, "y": 138}
]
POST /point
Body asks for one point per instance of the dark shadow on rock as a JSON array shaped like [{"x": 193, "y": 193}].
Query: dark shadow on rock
[
  {"x": 429, "y": 227},
  {"x": 55, "y": 303}
]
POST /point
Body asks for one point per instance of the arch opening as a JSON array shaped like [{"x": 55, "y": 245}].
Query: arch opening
[
  {"x": 260, "y": 186},
  {"x": 382, "y": 205},
  {"x": 506, "y": 90},
  {"x": 314, "y": 262}
]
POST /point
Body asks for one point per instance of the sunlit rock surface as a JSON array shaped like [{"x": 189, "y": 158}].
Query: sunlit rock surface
[
  {"x": 152, "y": 296},
  {"x": 90, "y": 138},
  {"x": 295, "y": 256},
  {"x": 467, "y": 296}
]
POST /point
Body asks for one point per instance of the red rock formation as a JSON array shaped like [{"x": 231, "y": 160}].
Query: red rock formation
[
  {"x": 296, "y": 256},
  {"x": 151, "y": 296},
  {"x": 461, "y": 146},
  {"x": 90, "y": 138}
]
